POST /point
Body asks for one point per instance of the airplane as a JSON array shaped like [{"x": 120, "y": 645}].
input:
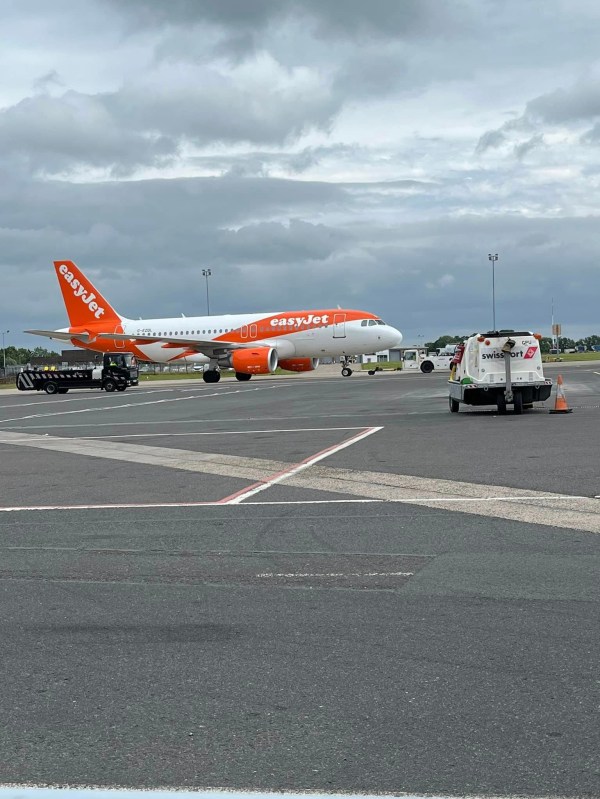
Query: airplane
[{"x": 249, "y": 344}]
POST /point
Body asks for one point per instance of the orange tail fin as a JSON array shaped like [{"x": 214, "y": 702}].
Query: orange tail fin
[{"x": 85, "y": 305}]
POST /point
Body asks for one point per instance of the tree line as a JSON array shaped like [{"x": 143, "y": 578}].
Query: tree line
[
  {"x": 21, "y": 355},
  {"x": 546, "y": 343}
]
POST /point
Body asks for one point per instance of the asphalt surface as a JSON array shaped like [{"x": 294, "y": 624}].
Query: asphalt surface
[{"x": 322, "y": 641}]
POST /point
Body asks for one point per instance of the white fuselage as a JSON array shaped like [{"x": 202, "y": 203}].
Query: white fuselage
[{"x": 307, "y": 334}]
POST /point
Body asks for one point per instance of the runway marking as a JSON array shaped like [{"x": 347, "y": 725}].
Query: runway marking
[
  {"x": 164, "y": 422},
  {"x": 87, "y": 791},
  {"x": 531, "y": 507},
  {"x": 335, "y": 574},
  {"x": 201, "y": 433},
  {"x": 158, "y": 505},
  {"x": 136, "y": 404},
  {"x": 262, "y": 485},
  {"x": 83, "y": 396},
  {"x": 218, "y": 503}
]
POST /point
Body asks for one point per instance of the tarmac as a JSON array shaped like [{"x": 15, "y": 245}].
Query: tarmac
[{"x": 305, "y": 584}]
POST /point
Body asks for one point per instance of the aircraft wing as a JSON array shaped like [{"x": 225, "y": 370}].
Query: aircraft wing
[
  {"x": 204, "y": 347},
  {"x": 60, "y": 335}
]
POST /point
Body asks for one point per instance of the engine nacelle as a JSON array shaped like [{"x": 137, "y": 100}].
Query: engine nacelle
[
  {"x": 252, "y": 361},
  {"x": 299, "y": 364}
]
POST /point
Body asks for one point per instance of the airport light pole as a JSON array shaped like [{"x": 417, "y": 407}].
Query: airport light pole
[
  {"x": 493, "y": 259},
  {"x": 207, "y": 273},
  {"x": 4, "y": 332}
]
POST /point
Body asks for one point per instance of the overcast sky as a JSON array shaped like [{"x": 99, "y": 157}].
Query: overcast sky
[{"x": 310, "y": 152}]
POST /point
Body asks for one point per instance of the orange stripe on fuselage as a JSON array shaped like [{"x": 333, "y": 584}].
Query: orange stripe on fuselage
[{"x": 282, "y": 324}]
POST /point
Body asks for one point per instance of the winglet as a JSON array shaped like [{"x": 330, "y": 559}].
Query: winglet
[{"x": 85, "y": 305}]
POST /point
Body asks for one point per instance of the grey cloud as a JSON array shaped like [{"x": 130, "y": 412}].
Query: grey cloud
[
  {"x": 490, "y": 140},
  {"x": 381, "y": 18},
  {"x": 560, "y": 107},
  {"x": 591, "y": 136},
  {"x": 276, "y": 243},
  {"x": 53, "y": 134},
  {"x": 566, "y": 105},
  {"x": 371, "y": 73},
  {"x": 521, "y": 150},
  {"x": 137, "y": 126},
  {"x": 48, "y": 81}
]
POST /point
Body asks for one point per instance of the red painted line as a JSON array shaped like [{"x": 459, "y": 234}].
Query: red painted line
[{"x": 278, "y": 476}]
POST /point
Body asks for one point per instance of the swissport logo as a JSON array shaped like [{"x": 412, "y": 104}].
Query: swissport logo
[
  {"x": 89, "y": 298},
  {"x": 300, "y": 321},
  {"x": 530, "y": 352}
]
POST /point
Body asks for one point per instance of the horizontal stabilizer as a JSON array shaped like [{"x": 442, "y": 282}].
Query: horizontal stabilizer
[{"x": 60, "y": 335}]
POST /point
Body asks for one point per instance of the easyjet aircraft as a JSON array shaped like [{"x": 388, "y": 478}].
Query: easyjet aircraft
[{"x": 248, "y": 343}]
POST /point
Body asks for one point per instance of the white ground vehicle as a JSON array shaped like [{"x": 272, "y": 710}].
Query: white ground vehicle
[
  {"x": 499, "y": 368},
  {"x": 428, "y": 361}
]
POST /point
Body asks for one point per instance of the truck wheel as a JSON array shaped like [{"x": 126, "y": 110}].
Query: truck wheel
[
  {"x": 51, "y": 388},
  {"x": 62, "y": 390},
  {"x": 109, "y": 384},
  {"x": 518, "y": 402},
  {"x": 427, "y": 367},
  {"x": 454, "y": 405},
  {"x": 501, "y": 404}
]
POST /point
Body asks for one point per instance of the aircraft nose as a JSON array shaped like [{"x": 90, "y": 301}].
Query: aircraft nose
[{"x": 394, "y": 336}]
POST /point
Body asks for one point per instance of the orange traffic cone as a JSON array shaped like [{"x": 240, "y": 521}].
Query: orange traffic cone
[{"x": 560, "y": 405}]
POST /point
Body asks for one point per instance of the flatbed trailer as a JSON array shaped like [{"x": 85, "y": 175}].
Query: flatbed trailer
[{"x": 118, "y": 371}]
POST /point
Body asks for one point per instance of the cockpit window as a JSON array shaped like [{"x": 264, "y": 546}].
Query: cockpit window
[
  {"x": 364, "y": 323},
  {"x": 379, "y": 322},
  {"x": 372, "y": 323}
]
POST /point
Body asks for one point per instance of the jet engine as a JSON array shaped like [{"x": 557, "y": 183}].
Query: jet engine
[
  {"x": 299, "y": 364},
  {"x": 251, "y": 361}
]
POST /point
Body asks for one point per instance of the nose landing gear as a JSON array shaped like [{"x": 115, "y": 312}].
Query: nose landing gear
[{"x": 346, "y": 370}]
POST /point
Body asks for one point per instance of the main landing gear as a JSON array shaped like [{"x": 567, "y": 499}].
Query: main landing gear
[
  {"x": 242, "y": 376},
  {"x": 211, "y": 376},
  {"x": 346, "y": 370}
]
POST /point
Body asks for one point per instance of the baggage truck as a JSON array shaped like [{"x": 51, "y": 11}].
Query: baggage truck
[
  {"x": 118, "y": 371},
  {"x": 498, "y": 368}
]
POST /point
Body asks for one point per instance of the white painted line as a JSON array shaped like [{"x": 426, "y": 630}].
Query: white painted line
[
  {"x": 228, "y": 420},
  {"x": 195, "y": 433},
  {"x": 262, "y": 485},
  {"x": 210, "y": 504},
  {"x": 221, "y": 503},
  {"x": 117, "y": 407},
  {"x": 336, "y": 574},
  {"x": 32, "y": 791},
  {"x": 92, "y": 395}
]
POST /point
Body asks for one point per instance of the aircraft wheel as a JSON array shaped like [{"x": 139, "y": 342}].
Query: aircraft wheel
[
  {"x": 211, "y": 376},
  {"x": 242, "y": 376},
  {"x": 51, "y": 388},
  {"x": 372, "y": 372},
  {"x": 346, "y": 371}
]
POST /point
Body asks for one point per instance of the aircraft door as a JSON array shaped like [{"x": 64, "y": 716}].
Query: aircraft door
[
  {"x": 119, "y": 343},
  {"x": 339, "y": 325}
]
